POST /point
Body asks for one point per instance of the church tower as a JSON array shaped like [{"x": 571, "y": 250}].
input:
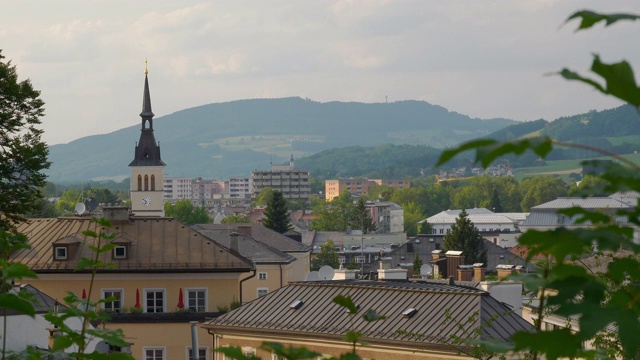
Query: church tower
[{"x": 147, "y": 169}]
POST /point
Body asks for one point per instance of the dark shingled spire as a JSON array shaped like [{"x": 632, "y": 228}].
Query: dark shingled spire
[
  {"x": 146, "y": 100},
  {"x": 147, "y": 152}
]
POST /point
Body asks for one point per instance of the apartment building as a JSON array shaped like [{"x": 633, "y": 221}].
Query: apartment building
[
  {"x": 177, "y": 188},
  {"x": 294, "y": 184},
  {"x": 240, "y": 187},
  {"x": 360, "y": 186}
]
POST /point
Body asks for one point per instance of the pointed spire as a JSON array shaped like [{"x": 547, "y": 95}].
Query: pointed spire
[{"x": 146, "y": 98}]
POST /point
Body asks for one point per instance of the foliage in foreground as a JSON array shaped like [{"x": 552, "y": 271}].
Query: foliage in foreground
[
  {"x": 599, "y": 303},
  {"x": 23, "y": 155}
]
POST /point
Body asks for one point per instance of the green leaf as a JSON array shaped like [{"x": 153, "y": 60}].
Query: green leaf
[
  {"x": 352, "y": 336},
  {"x": 590, "y": 18},
  {"x": 289, "y": 352},
  {"x": 372, "y": 315},
  {"x": 346, "y": 302},
  {"x": 489, "y": 150},
  {"x": 111, "y": 356},
  {"x": 619, "y": 79},
  {"x": 234, "y": 352},
  {"x": 17, "y": 271},
  {"x": 17, "y": 303}
]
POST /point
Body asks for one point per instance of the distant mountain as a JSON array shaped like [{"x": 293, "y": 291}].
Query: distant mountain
[
  {"x": 616, "y": 130},
  {"x": 234, "y": 138}
]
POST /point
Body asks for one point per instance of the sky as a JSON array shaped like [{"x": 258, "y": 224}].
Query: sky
[{"x": 485, "y": 59}]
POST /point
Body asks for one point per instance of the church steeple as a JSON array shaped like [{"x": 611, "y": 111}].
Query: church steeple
[
  {"x": 147, "y": 168},
  {"x": 147, "y": 152}
]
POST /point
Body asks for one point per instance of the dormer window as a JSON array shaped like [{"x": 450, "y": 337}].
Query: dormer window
[
  {"x": 120, "y": 252},
  {"x": 60, "y": 252}
]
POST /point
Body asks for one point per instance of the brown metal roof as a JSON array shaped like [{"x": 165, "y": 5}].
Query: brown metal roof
[
  {"x": 443, "y": 311},
  {"x": 153, "y": 245}
]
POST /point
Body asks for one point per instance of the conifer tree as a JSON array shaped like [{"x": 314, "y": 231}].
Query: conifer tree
[
  {"x": 361, "y": 218},
  {"x": 276, "y": 217},
  {"x": 465, "y": 237}
]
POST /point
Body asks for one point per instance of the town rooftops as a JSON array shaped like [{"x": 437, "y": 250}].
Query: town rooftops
[
  {"x": 416, "y": 313},
  {"x": 260, "y": 233},
  {"x": 585, "y": 203},
  {"x": 146, "y": 245}
]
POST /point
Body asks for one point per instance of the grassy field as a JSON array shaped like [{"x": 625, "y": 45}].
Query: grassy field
[
  {"x": 563, "y": 167},
  {"x": 279, "y": 145},
  {"x": 631, "y": 139}
]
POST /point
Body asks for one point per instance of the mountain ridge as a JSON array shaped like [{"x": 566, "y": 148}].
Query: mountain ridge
[{"x": 233, "y": 138}]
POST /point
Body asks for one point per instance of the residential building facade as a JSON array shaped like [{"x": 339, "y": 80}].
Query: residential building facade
[
  {"x": 240, "y": 187},
  {"x": 177, "y": 188},
  {"x": 294, "y": 184},
  {"x": 421, "y": 318},
  {"x": 361, "y": 186}
]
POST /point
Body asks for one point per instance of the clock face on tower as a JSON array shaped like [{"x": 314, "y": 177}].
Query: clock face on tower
[{"x": 146, "y": 201}]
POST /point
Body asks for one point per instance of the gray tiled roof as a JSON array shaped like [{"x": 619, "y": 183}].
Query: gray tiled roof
[
  {"x": 264, "y": 235},
  {"x": 320, "y": 316},
  {"x": 249, "y": 247},
  {"x": 586, "y": 203}
]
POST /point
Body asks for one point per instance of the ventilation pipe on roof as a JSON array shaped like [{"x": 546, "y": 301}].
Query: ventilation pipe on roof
[{"x": 233, "y": 241}]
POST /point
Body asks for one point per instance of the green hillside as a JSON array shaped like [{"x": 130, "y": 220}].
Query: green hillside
[{"x": 234, "y": 138}]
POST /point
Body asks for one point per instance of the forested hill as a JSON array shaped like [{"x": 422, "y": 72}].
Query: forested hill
[
  {"x": 385, "y": 161},
  {"x": 233, "y": 138},
  {"x": 616, "y": 130}
]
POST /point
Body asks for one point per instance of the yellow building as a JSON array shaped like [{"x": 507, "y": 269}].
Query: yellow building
[
  {"x": 165, "y": 275},
  {"x": 423, "y": 319},
  {"x": 278, "y": 260},
  {"x": 360, "y": 187}
]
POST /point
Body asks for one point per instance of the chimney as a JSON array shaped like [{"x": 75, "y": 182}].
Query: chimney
[
  {"x": 245, "y": 229},
  {"x": 438, "y": 264},
  {"x": 504, "y": 271},
  {"x": 465, "y": 272},
  {"x": 233, "y": 241},
  {"x": 115, "y": 213},
  {"x": 454, "y": 258},
  {"x": 345, "y": 274},
  {"x": 478, "y": 272}
]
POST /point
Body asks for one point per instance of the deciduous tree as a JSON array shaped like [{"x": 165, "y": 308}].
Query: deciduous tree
[
  {"x": 23, "y": 155},
  {"x": 185, "y": 212},
  {"x": 327, "y": 256}
]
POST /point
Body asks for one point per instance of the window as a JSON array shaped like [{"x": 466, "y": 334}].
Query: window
[
  {"x": 262, "y": 276},
  {"x": 153, "y": 353},
  {"x": 120, "y": 252},
  {"x": 441, "y": 231},
  {"x": 61, "y": 253},
  {"x": 139, "y": 182},
  {"x": 262, "y": 292},
  {"x": 197, "y": 300},
  {"x": 153, "y": 182},
  {"x": 154, "y": 300},
  {"x": 116, "y": 304},
  {"x": 202, "y": 353},
  {"x": 248, "y": 351},
  {"x": 146, "y": 183},
  {"x": 359, "y": 259}
]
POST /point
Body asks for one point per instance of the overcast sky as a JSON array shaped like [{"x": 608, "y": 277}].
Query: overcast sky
[{"x": 481, "y": 58}]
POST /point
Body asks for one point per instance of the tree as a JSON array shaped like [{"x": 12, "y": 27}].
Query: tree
[
  {"x": 276, "y": 217},
  {"x": 185, "y": 212},
  {"x": 360, "y": 218},
  {"x": 333, "y": 215},
  {"x": 263, "y": 197},
  {"x": 412, "y": 215},
  {"x": 23, "y": 155},
  {"x": 465, "y": 237},
  {"x": 328, "y": 256},
  {"x": 235, "y": 219},
  {"x": 417, "y": 265}
]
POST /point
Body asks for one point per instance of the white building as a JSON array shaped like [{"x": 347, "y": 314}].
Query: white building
[
  {"x": 240, "y": 187},
  {"x": 177, "y": 188},
  {"x": 500, "y": 228},
  {"x": 293, "y": 184},
  {"x": 388, "y": 217}
]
